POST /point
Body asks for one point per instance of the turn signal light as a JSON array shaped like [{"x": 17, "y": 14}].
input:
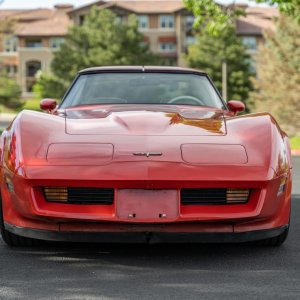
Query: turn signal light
[
  {"x": 56, "y": 194},
  {"x": 234, "y": 196}
]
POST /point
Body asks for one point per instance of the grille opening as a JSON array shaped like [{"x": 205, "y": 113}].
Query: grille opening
[
  {"x": 220, "y": 196},
  {"x": 102, "y": 196}
]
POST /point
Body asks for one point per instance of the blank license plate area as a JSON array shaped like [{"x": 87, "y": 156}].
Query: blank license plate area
[{"x": 147, "y": 204}]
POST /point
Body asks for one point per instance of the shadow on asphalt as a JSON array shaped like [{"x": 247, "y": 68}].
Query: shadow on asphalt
[{"x": 162, "y": 271}]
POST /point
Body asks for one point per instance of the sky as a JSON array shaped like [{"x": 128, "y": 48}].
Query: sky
[{"x": 15, "y": 4}]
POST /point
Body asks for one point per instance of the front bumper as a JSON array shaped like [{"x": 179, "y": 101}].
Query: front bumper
[
  {"x": 26, "y": 207},
  {"x": 146, "y": 237}
]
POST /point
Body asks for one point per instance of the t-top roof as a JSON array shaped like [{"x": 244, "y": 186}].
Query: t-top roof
[{"x": 142, "y": 69}]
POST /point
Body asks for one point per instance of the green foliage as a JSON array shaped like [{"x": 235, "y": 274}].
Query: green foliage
[
  {"x": 278, "y": 68},
  {"x": 32, "y": 104},
  {"x": 216, "y": 18},
  {"x": 10, "y": 92},
  {"x": 289, "y": 7},
  {"x": 295, "y": 143},
  {"x": 50, "y": 86},
  {"x": 213, "y": 15},
  {"x": 7, "y": 27},
  {"x": 102, "y": 40},
  {"x": 208, "y": 54}
]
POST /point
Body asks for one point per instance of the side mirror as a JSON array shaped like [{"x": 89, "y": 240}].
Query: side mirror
[
  {"x": 48, "y": 104},
  {"x": 236, "y": 106}
]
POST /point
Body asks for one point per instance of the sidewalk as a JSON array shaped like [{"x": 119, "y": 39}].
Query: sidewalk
[{"x": 5, "y": 120}]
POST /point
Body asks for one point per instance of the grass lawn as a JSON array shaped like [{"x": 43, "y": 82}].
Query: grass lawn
[
  {"x": 31, "y": 104},
  {"x": 5, "y": 110},
  {"x": 295, "y": 143}
]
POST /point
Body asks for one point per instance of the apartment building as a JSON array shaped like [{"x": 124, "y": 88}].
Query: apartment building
[
  {"x": 29, "y": 46},
  {"x": 166, "y": 25},
  {"x": 252, "y": 26}
]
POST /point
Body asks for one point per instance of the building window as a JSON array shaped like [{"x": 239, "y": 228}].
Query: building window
[
  {"x": 33, "y": 43},
  {"x": 190, "y": 40},
  {"x": 11, "y": 70},
  {"x": 167, "y": 21},
  {"x": 10, "y": 43},
  {"x": 167, "y": 47},
  {"x": 143, "y": 22},
  {"x": 120, "y": 20},
  {"x": 189, "y": 21},
  {"x": 252, "y": 65},
  {"x": 55, "y": 43},
  {"x": 250, "y": 42},
  {"x": 81, "y": 19},
  {"x": 32, "y": 68}
]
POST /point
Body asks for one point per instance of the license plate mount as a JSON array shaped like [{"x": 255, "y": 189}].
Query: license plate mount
[{"x": 147, "y": 205}]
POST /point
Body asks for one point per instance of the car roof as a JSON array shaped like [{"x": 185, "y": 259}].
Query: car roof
[{"x": 142, "y": 69}]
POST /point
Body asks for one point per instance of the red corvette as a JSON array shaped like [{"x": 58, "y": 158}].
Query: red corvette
[{"x": 144, "y": 155}]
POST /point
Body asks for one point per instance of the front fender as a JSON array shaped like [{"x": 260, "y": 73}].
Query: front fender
[{"x": 266, "y": 144}]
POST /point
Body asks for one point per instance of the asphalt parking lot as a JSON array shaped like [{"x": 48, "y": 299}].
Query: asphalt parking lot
[{"x": 68, "y": 271}]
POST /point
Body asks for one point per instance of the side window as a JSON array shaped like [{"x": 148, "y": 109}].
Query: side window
[
  {"x": 143, "y": 21},
  {"x": 250, "y": 42},
  {"x": 167, "y": 21},
  {"x": 10, "y": 43},
  {"x": 167, "y": 47},
  {"x": 55, "y": 43}
]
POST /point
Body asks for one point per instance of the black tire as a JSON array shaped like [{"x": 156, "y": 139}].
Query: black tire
[{"x": 14, "y": 240}]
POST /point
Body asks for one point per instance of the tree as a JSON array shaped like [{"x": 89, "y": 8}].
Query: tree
[
  {"x": 278, "y": 68},
  {"x": 6, "y": 27},
  {"x": 48, "y": 85},
  {"x": 208, "y": 54},
  {"x": 216, "y": 17},
  {"x": 102, "y": 40},
  {"x": 10, "y": 91}
]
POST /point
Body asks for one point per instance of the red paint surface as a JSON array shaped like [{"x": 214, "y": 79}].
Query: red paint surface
[
  {"x": 48, "y": 104},
  {"x": 93, "y": 146},
  {"x": 146, "y": 205}
]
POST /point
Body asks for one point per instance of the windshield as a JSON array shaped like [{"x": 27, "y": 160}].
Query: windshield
[{"x": 143, "y": 88}]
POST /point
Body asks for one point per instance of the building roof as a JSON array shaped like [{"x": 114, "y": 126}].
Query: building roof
[
  {"x": 149, "y": 7},
  {"x": 56, "y": 25},
  {"x": 97, "y": 3},
  {"x": 140, "y": 69},
  {"x": 25, "y": 15},
  {"x": 140, "y": 6},
  {"x": 55, "y": 22},
  {"x": 39, "y": 22},
  {"x": 257, "y": 20}
]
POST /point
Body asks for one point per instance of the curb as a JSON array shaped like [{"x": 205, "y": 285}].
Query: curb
[{"x": 296, "y": 152}]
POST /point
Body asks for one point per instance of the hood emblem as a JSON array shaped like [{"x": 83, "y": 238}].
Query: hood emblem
[{"x": 147, "y": 154}]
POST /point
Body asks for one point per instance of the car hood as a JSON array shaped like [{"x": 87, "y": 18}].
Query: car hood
[{"x": 144, "y": 120}]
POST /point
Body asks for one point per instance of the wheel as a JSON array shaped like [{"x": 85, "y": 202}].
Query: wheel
[{"x": 14, "y": 240}]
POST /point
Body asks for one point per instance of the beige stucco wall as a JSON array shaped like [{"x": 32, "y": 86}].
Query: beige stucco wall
[
  {"x": 152, "y": 33},
  {"x": 43, "y": 55}
]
